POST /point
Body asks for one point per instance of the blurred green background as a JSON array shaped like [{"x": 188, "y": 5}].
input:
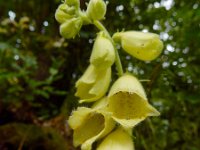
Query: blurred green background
[{"x": 38, "y": 70}]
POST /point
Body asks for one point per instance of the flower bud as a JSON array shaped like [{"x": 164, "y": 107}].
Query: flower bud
[
  {"x": 128, "y": 102},
  {"x": 75, "y": 3},
  {"x": 96, "y": 9},
  {"x": 61, "y": 14},
  {"x": 70, "y": 28},
  {"x": 93, "y": 84},
  {"x": 143, "y": 46},
  {"x": 117, "y": 140},
  {"x": 89, "y": 125},
  {"x": 103, "y": 53}
]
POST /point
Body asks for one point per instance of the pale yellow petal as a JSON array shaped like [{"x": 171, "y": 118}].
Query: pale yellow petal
[
  {"x": 92, "y": 126},
  {"x": 128, "y": 83},
  {"x": 102, "y": 81},
  {"x": 83, "y": 90},
  {"x": 78, "y": 117},
  {"x": 100, "y": 104},
  {"x": 103, "y": 53},
  {"x": 128, "y": 103},
  {"x": 99, "y": 88},
  {"x": 89, "y": 75},
  {"x": 89, "y": 125},
  {"x": 144, "y": 46},
  {"x": 109, "y": 124},
  {"x": 117, "y": 140}
]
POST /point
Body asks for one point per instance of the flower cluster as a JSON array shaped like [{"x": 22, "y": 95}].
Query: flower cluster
[
  {"x": 116, "y": 111},
  {"x": 123, "y": 108},
  {"x": 71, "y": 17},
  {"x": 67, "y": 15}
]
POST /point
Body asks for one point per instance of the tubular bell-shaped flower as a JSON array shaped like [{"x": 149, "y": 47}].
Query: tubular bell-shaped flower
[
  {"x": 89, "y": 125},
  {"x": 93, "y": 84},
  {"x": 128, "y": 102},
  {"x": 117, "y": 140},
  {"x": 144, "y": 46},
  {"x": 103, "y": 52}
]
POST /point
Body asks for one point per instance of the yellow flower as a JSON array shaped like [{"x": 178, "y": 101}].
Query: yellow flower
[
  {"x": 101, "y": 104},
  {"x": 96, "y": 9},
  {"x": 93, "y": 84},
  {"x": 144, "y": 46},
  {"x": 117, "y": 140},
  {"x": 128, "y": 102},
  {"x": 89, "y": 125},
  {"x": 103, "y": 53}
]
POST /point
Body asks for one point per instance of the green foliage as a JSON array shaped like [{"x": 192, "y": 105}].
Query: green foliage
[
  {"x": 29, "y": 68},
  {"x": 26, "y": 136}
]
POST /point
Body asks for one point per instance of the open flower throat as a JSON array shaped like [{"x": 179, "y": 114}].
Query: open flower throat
[
  {"x": 94, "y": 122},
  {"x": 130, "y": 105}
]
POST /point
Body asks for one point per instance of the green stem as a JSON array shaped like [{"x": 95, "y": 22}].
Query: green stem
[{"x": 118, "y": 63}]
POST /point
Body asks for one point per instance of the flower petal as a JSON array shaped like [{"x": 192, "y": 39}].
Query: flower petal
[
  {"x": 100, "y": 104},
  {"x": 78, "y": 117},
  {"x": 128, "y": 83},
  {"x": 117, "y": 140},
  {"x": 144, "y": 46},
  {"x": 103, "y": 53},
  {"x": 89, "y": 125},
  {"x": 128, "y": 103},
  {"x": 89, "y": 75},
  {"x": 93, "y": 88}
]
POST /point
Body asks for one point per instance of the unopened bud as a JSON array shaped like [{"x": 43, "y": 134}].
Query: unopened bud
[
  {"x": 96, "y": 9},
  {"x": 103, "y": 53},
  {"x": 144, "y": 46},
  {"x": 75, "y": 3},
  {"x": 70, "y": 28},
  {"x": 61, "y": 14}
]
